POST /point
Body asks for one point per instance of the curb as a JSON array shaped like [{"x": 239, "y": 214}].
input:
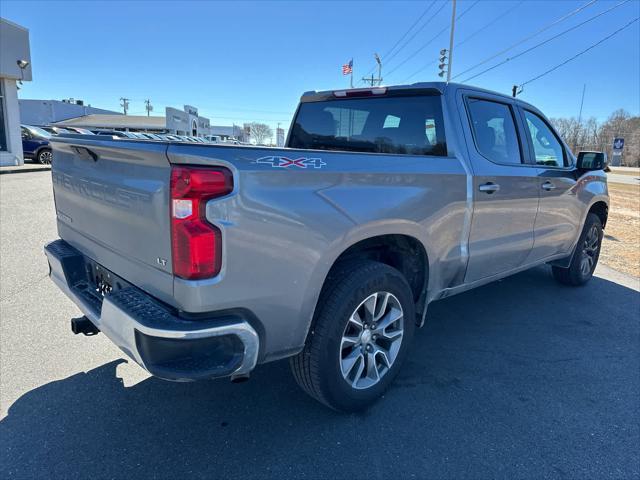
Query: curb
[{"x": 7, "y": 170}]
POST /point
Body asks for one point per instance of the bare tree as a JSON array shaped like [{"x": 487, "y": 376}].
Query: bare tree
[
  {"x": 591, "y": 135},
  {"x": 260, "y": 132}
]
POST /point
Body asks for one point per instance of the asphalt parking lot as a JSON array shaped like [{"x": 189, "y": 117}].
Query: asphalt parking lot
[{"x": 519, "y": 379}]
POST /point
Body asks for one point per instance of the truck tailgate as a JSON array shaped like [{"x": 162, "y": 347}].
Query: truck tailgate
[{"x": 112, "y": 204}]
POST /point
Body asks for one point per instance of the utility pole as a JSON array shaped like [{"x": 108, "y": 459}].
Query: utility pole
[
  {"x": 148, "y": 107},
  {"x": 453, "y": 26},
  {"x": 124, "y": 103},
  {"x": 373, "y": 81},
  {"x": 579, "y": 126},
  {"x": 584, "y": 87}
]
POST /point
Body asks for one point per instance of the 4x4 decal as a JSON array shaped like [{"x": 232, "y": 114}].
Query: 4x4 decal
[{"x": 284, "y": 162}]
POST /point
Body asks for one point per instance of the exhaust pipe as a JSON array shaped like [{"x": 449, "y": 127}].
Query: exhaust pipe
[
  {"x": 83, "y": 325},
  {"x": 243, "y": 377}
]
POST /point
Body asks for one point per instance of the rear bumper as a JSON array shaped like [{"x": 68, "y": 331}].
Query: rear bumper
[{"x": 149, "y": 332}]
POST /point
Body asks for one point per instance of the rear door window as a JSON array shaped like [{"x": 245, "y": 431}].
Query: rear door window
[
  {"x": 494, "y": 131},
  {"x": 409, "y": 125}
]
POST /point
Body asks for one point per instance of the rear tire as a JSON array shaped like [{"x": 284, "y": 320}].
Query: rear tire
[
  {"x": 361, "y": 331},
  {"x": 585, "y": 257}
]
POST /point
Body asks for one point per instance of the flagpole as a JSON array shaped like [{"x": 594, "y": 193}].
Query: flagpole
[{"x": 351, "y": 77}]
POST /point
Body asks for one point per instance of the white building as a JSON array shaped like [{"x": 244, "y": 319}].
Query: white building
[
  {"x": 15, "y": 66},
  {"x": 45, "y": 112},
  {"x": 187, "y": 122}
]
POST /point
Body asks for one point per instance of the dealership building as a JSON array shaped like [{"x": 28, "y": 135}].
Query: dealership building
[
  {"x": 179, "y": 122},
  {"x": 15, "y": 68}
]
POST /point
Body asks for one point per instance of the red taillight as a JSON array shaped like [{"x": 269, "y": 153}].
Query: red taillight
[{"x": 196, "y": 245}]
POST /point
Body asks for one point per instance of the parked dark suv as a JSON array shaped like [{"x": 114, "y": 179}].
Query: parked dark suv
[{"x": 35, "y": 144}]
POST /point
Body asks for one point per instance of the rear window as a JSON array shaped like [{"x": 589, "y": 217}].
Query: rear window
[{"x": 410, "y": 125}]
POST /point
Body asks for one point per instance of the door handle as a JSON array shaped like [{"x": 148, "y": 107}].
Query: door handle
[
  {"x": 85, "y": 153},
  {"x": 489, "y": 187},
  {"x": 548, "y": 186}
]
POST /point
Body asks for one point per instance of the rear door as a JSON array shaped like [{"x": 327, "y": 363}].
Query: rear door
[
  {"x": 560, "y": 212},
  {"x": 505, "y": 186}
]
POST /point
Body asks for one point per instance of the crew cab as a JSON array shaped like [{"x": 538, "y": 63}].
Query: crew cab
[{"x": 202, "y": 261}]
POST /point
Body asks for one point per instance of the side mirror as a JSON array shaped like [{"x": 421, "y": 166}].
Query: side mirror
[{"x": 591, "y": 161}]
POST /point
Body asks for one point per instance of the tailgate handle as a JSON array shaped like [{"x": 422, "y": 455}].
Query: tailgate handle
[{"x": 85, "y": 153}]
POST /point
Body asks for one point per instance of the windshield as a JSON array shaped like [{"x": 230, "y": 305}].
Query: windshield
[
  {"x": 410, "y": 125},
  {"x": 38, "y": 132}
]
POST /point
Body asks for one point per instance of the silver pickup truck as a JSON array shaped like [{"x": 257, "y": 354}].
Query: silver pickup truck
[{"x": 202, "y": 261}]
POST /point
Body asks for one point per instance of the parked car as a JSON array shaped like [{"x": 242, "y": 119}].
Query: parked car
[
  {"x": 54, "y": 130},
  {"x": 152, "y": 136},
  {"x": 81, "y": 131},
  {"x": 35, "y": 144},
  {"x": 202, "y": 261},
  {"x": 115, "y": 133}
]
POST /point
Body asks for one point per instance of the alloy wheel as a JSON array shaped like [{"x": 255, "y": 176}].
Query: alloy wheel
[
  {"x": 590, "y": 248},
  {"x": 371, "y": 340},
  {"x": 45, "y": 157}
]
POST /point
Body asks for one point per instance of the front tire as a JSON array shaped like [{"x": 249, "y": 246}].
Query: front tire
[
  {"x": 45, "y": 156},
  {"x": 585, "y": 258},
  {"x": 362, "y": 329}
]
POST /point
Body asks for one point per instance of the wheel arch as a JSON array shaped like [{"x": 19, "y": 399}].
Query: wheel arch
[
  {"x": 403, "y": 252},
  {"x": 600, "y": 206},
  {"x": 384, "y": 246},
  {"x": 601, "y": 209}
]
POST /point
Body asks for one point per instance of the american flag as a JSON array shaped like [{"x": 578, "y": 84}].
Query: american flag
[{"x": 347, "y": 68}]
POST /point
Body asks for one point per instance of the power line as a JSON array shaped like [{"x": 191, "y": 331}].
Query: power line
[
  {"x": 434, "y": 37},
  {"x": 164, "y": 102},
  {"x": 481, "y": 29},
  {"x": 528, "y": 37},
  {"x": 424, "y": 25},
  {"x": 580, "y": 53},
  {"x": 508, "y": 59},
  {"x": 491, "y": 23},
  {"x": 426, "y": 10},
  {"x": 386, "y": 57}
]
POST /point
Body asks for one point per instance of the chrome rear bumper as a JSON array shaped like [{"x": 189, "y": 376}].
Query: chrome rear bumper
[{"x": 149, "y": 332}]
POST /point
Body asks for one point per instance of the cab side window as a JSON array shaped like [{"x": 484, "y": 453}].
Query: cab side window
[
  {"x": 494, "y": 131},
  {"x": 546, "y": 145}
]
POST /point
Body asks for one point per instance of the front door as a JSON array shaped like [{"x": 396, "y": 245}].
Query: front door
[
  {"x": 560, "y": 212},
  {"x": 505, "y": 188}
]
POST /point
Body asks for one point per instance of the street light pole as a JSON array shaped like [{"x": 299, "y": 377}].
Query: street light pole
[{"x": 453, "y": 26}]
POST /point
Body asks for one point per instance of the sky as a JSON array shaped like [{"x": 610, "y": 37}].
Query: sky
[{"x": 250, "y": 61}]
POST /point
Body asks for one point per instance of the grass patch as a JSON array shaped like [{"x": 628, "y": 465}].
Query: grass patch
[{"x": 621, "y": 245}]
